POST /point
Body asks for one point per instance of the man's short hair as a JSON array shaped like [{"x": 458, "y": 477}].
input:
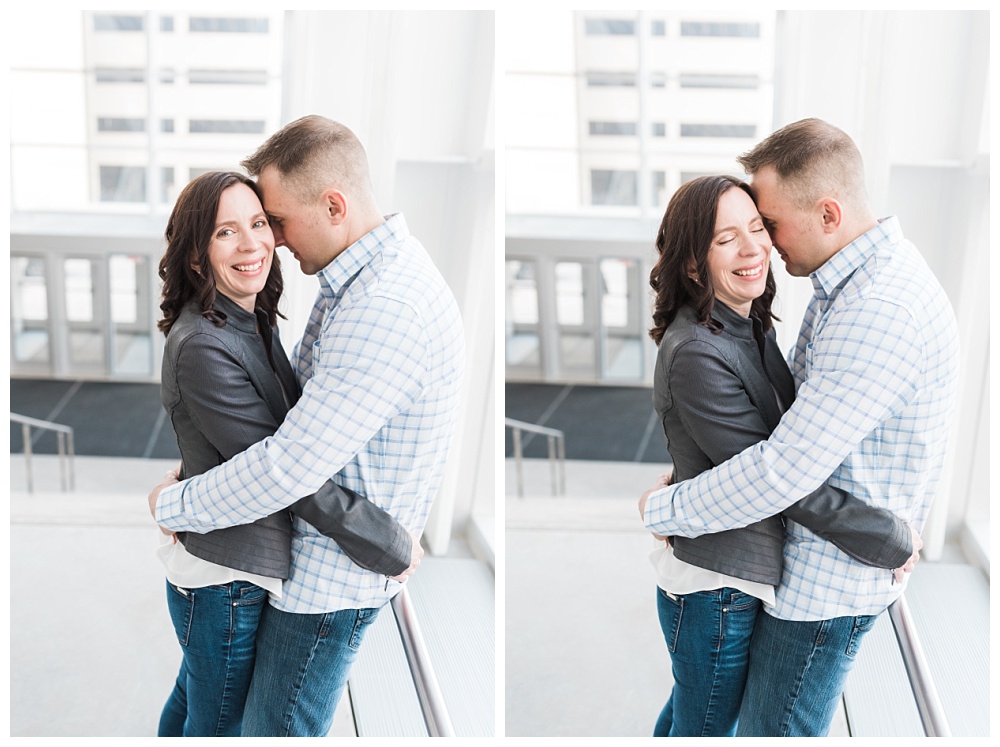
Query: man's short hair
[
  {"x": 313, "y": 154},
  {"x": 813, "y": 159}
]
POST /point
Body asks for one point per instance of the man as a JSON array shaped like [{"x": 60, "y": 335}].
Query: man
[
  {"x": 875, "y": 368},
  {"x": 380, "y": 364}
]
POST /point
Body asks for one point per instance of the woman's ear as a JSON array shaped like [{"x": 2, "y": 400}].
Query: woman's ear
[{"x": 692, "y": 272}]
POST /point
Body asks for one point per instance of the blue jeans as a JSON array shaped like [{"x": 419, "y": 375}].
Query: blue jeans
[
  {"x": 797, "y": 674},
  {"x": 708, "y": 636},
  {"x": 217, "y": 628},
  {"x": 302, "y": 667}
]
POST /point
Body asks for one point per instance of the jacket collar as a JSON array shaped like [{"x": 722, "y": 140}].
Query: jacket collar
[
  {"x": 735, "y": 324},
  {"x": 236, "y": 316}
]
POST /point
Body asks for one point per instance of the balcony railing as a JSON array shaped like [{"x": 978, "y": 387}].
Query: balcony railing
[
  {"x": 557, "y": 453},
  {"x": 64, "y": 438},
  {"x": 925, "y": 693},
  {"x": 424, "y": 680}
]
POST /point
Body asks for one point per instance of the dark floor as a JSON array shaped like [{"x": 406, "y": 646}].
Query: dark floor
[
  {"x": 615, "y": 424},
  {"x": 108, "y": 419},
  {"x": 603, "y": 423}
]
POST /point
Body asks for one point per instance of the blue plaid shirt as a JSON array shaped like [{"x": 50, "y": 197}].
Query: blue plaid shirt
[
  {"x": 380, "y": 365},
  {"x": 875, "y": 367}
]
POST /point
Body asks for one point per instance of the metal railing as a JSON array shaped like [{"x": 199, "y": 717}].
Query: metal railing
[
  {"x": 428, "y": 691},
  {"x": 557, "y": 453},
  {"x": 64, "y": 437},
  {"x": 928, "y": 701}
]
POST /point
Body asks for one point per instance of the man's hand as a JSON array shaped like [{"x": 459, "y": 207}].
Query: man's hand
[
  {"x": 170, "y": 478},
  {"x": 900, "y": 573},
  {"x": 416, "y": 553}
]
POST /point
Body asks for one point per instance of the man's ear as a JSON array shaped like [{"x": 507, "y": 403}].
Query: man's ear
[
  {"x": 831, "y": 213},
  {"x": 335, "y": 204}
]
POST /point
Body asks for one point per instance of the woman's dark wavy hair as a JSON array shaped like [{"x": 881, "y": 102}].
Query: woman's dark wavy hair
[
  {"x": 683, "y": 241},
  {"x": 189, "y": 232}
]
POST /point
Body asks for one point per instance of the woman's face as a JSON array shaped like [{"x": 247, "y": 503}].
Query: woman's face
[
  {"x": 242, "y": 246},
  {"x": 739, "y": 256}
]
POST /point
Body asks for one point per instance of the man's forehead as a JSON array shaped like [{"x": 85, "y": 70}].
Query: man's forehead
[
  {"x": 764, "y": 190},
  {"x": 273, "y": 189}
]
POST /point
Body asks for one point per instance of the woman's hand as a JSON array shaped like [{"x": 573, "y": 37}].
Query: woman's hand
[
  {"x": 899, "y": 574},
  {"x": 170, "y": 478},
  {"x": 661, "y": 482},
  {"x": 416, "y": 553}
]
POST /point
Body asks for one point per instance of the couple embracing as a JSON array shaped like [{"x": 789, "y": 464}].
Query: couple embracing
[
  {"x": 791, "y": 519},
  {"x": 304, "y": 485}
]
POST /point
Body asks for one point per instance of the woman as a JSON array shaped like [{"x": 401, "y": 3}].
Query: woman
[
  {"x": 721, "y": 385},
  {"x": 227, "y": 384}
]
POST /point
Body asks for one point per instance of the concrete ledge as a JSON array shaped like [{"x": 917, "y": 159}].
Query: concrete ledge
[
  {"x": 572, "y": 513},
  {"x": 80, "y": 509}
]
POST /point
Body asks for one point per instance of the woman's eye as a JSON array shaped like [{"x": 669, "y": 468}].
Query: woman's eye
[
  {"x": 224, "y": 232},
  {"x": 259, "y": 223}
]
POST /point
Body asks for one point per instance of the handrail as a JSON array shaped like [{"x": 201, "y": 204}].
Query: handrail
[
  {"x": 428, "y": 691},
  {"x": 929, "y": 704},
  {"x": 557, "y": 453},
  {"x": 64, "y": 437}
]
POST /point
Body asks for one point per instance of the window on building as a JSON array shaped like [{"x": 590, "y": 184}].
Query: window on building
[
  {"x": 166, "y": 125},
  {"x": 228, "y": 77},
  {"x": 659, "y": 129},
  {"x": 120, "y": 75},
  {"x": 112, "y": 22},
  {"x": 658, "y": 80},
  {"x": 167, "y": 24},
  {"x": 714, "y": 28},
  {"x": 613, "y": 128},
  {"x": 611, "y": 187},
  {"x": 718, "y": 130},
  {"x": 712, "y": 80},
  {"x": 123, "y": 184},
  {"x": 610, "y": 80},
  {"x": 228, "y": 25},
  {"x": 687, "y": 176},
  {"x": 167, "y": 185},
  {"x": 121, "y": 124},
  {"x": 227, "y": 126},
  {"x": 659, "y": 195},
  {"x": 609, "y": 27},
  {"x": 659, "y": 28}
]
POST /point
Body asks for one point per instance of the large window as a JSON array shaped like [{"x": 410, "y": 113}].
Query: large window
[
  {"x": 229, "y": 25},
  {"x": 606, "y": 112},
  {"x": 141, "y": 97},
  {"x": 108, "y": 22}
]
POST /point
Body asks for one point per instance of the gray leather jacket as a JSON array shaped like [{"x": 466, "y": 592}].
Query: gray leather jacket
[
  {"x": 226, "y": 388},
  {"x": 717, "y": 394}
]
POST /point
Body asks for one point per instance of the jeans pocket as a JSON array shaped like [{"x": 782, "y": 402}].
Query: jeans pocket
[
  {"x": 862, "y": 624},
  {"x": 741, "y": 601},
  {"x": 180, "y": 604},
  {"x": 250, "y": 595},
  {"x": 670, "y": 609},
  {"x": 363, "y": 619}
]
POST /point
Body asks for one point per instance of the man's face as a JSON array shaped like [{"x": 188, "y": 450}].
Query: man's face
[
  {"x": 796, "y": 232},
  {"x": 301, "y": 227}
]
